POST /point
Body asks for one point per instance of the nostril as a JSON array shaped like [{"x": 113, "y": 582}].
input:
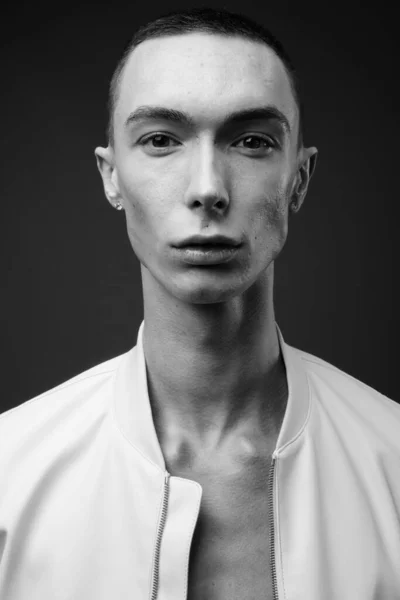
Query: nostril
[{"x": 219, "y": 204}]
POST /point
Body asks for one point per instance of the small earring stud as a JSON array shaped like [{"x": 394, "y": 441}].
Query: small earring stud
[{"x": 118, "y": 206}]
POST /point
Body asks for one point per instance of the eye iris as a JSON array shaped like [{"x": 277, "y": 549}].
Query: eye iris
[
  {"x": 253, "y": 142},
  {"x": 160, "y": 141}
]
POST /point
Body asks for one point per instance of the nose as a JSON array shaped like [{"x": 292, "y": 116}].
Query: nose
[{"x": 206, "y": 190}]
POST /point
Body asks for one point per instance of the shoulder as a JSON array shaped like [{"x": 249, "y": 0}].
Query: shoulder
[
  {"x": 66, "y": 407},
  {"x": 324, "y": 373},
  {"x": 345, "y": 399}
]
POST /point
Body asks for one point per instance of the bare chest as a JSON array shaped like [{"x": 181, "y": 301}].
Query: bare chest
[{"x": 231, "y": 550}]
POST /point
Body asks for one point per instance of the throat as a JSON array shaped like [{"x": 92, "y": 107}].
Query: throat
[
  {"x": 204, "y": 392},
  {"x": 229, "y": 433}
]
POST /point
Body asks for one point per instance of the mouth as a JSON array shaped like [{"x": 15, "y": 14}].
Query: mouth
[
  {"x": 215, "y": 242},
  {"x": 206, "y": 251},
  {"x": 207, "y": 247}
]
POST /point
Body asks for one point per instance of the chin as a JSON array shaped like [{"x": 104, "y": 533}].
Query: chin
[
  {"x": 194, "y": 291},
  {"x": 205, "y": 297}
]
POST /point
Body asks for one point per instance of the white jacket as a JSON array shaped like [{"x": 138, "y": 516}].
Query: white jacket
[{"x": 87, "y": 511}]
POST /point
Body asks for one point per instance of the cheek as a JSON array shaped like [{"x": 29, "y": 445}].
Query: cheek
[
  {"x": 276, "y": 207},
  {"x": 269, "y": 221},
  {"x": 146, "y": 202},
  {"x": 270, "y": 194}
]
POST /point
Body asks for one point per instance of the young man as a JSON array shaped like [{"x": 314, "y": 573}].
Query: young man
[{"x": 213, "y": 461}]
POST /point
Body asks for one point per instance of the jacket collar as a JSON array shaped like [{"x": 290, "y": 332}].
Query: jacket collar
[{"x": 132, "y": 409}]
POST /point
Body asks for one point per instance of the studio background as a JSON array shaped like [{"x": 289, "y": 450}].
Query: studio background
[{"x": 72, "y": 294}]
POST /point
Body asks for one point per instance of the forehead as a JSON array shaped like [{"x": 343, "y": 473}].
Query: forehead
[{"x": 206, "y": 75}]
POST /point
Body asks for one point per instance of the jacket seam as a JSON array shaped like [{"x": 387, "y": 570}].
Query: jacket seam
[
  {"x": 302, "y": 428},
  {"x": 325, "y": 365},
  {"x": 133, "y": 446},
  {"x": 287, "y": 445}
]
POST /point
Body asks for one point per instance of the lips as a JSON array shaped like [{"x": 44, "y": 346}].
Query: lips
[
  {"x": 206, "y": 247},
  {"x": 202, "y": 242},
  {"x": 206, "y": 254}
]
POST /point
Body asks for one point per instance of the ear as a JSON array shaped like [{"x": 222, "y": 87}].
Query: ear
[
  {"x": 105, "y": 164},
  {"x": 306, "y": 165}
]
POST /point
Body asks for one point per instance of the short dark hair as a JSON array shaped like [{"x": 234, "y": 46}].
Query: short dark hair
[{"x": 203, "y": 20}]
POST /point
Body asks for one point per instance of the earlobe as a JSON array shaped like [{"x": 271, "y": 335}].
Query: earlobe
[{"x": 294, "y": 204}]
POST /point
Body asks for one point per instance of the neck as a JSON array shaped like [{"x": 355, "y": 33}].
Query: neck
[{"x": 216, "y": 364}]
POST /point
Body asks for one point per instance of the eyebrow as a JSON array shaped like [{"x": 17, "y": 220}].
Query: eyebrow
[{"x": 154, "y": 113}]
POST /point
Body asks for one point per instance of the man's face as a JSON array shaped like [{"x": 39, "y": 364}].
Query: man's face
[{"x": 209, "y": 174}]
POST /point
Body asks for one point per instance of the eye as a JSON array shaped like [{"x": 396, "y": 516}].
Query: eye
[
  {"x": 157, "y": 142},
  {"x": 256, "y": 144}
]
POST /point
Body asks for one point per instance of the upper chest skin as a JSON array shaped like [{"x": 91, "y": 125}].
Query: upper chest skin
[{"x": 230, "y": 552}]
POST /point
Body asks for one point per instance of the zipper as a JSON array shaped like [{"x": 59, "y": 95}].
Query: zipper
[
  {"x": 272, "y": 529},
  {"x": 161, "y": 526},
  {"x": 155, "y": 578}
]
